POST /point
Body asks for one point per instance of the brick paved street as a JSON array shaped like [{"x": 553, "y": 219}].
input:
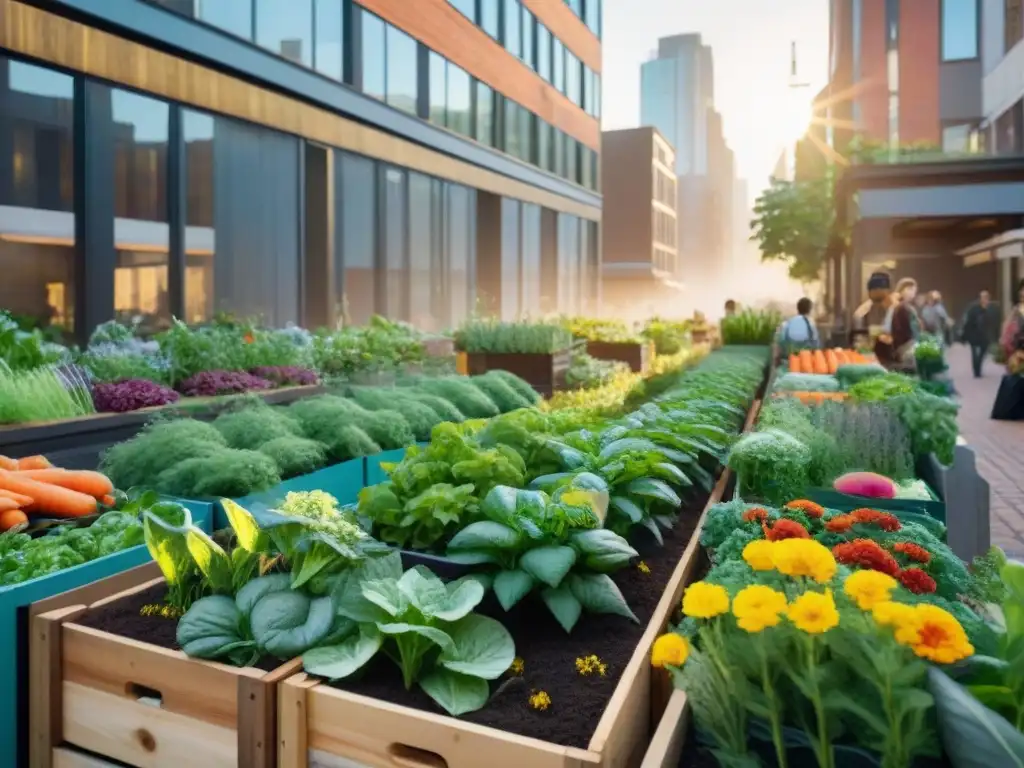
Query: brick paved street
[{"x": 999, "y": 446}]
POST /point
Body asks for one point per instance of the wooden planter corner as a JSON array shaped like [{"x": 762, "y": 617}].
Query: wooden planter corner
[
  {"x": 141, "y": 704},
  {"x": 666, "y": 748},
  {"x": 636, "y": 355}
]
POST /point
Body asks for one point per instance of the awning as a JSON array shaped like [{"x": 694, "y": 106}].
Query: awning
[{"x": 1007, "y": 245}]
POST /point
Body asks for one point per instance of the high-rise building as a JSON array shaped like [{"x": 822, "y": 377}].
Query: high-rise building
[
  {"x": 905, "y": 72},
  {"x": 298, "y": 160}
]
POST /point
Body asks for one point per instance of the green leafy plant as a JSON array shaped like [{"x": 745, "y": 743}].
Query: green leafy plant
[
  {"x": 420, "y": 522},
  {"x": 252, "y": 426},
  {"x": 22, "y": 350},
  {"x": 669, "y": 337},
  {"x": 771, "y": 465},
  {"x": 501, "y": 393},
  {"x": 751, "y": 326},
  {"x": 586, "y": 372},
  {"x": 460, "y": 392},
  {"x": 525, "y": 390},
  {"x": 420, "y": 417},
  {"x": 42, "y": 394},
  {"x": 220, "y": 472},
  {"x": 295, "y": 456},
  {"x": 521, "y": 337},
  {"x": 159, "y": 446},
  {"x": 329, "y": 420},
  {"x": 594, "y": 329},
  {"x": 426, "y": 626}
]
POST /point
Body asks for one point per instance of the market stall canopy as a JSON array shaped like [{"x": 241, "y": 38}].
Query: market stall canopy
[{"x": 1006, "y": 245}]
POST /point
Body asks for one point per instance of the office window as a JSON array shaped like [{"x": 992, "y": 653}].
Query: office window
[
  {"x": 394, "y": 221},
  {"x": 592, "y": 15},
  {"x": 141, "y": 127},
  {"x": 588, "y": 91},
  {"x": 460, "y": 210},
  {"x": 490, "y": 11},
  {"x": 184, "y": 7},
  {"x": 558, "y": 64},
  {"x": 513, "y": 27},
  {"x": 355, "y": 261},
  {"x": 576, "y": 6},
  {"x": 402, "y": 70},
  {"x": 571, "y": 159},
  {"x": 235, "y": 18},
  {"x": 528, "y": 55},
  {"x": 543, "y": 145},
  {"x": 558, "y": 156},
  {"x": 458, "y": 106},
  {"x": 960, "y": 138},
  {"x": 374, "y": 47},
  {"x": 586, "y": 169},
  {"x": 484, "y": 114},
  {"x": 200, "y": 238},
  {"x": 421, "y": 241},
  {"x": 543, "y": 52},
  {"x": 438, "y": 88},
  {"x": 597, "y": 95},
  {"x": 466, "y": 7},
  {"x": 572, "y": 78},
  {"x": 328, "y": 37},
  {"x": 510, "y": 259},
  {"x": 959, "y": 29},
  {"x": 286, "y": 28},
  {"x": 512, "y": 137},
  {"x": 526, "y": 134},
  {"x": 37, "y": 263}
]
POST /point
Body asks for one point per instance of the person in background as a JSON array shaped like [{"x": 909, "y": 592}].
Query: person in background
[
  {"x": 799, "y": 332},
  {"x": 979, "y": 328},
  {"x": 901, "y": 328},
  {"x": 730, "y": 308},
  {"x": 934, "y": 317},
  {"x": 1012, "y": 337}
]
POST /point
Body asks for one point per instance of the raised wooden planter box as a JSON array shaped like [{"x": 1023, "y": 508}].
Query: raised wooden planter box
[
  {"x": 669, "y": 739},
  {"x": 19, "y": 603},
  {"x": 544, "y": 372},
  {"x": 78, "y": 443},
  {"x": 140, "y": 704},
  {"x": 637, "y": 355}
]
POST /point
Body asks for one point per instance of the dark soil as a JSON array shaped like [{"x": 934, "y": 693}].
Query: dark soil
[
  {"x": 123, "y": 618},
  {"x": 549, "y": 654}
]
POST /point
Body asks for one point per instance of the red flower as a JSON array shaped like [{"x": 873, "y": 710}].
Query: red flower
[
  {"x": 917, "y": 581},
  {"x": 785, "y": 529},
  {"x": 248, "y": 338},
  {"x": 883, "y": 520},
  {"x": 866, "y": 553},
  {"x": 913, "y": 551},
  {"x": 755, "y": 515},
  {"x": 809, "y": 508},
  {"x": 839, "y": 524}
]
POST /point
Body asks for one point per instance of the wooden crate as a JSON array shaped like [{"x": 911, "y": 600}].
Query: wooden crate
[
  {"x": 140, "y": 704},
  {"x": 666, "y": 746},
  {"x": 324, "y": 727},
  {"x": 637, "y": 355}
]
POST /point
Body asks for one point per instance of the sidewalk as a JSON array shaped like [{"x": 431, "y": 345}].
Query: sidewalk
[{"x": 999, "y": 446}]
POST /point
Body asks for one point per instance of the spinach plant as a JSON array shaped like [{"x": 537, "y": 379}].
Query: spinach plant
[
  {"x": 555, "y": 545},
  {"x": 426, "y": 626}
]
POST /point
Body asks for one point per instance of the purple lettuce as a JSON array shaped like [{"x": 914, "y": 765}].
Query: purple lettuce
[
  {"x": 211, "y": 383},
  {"x": 131, "y": 395},
  {"x": 286, "y": 375}
]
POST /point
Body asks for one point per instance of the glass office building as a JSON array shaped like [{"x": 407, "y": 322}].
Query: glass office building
[{"x": 298, "y": 160}]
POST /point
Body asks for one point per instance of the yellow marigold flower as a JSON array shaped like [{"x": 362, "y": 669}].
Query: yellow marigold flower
[
  {"x": 705, "y": 601},
  {"x": 889, "y": 614},
  {"x": 813, "y": 612},
  {"x": 540, "y": 700},
  {"x": 670, "y": 650},
  {"x": 868, "y": 588},
  {"x": 804, "y": 557},
  {"x": 757, "y": 607},
  {"x": 643, "y": 567},
  {"x": 934, "y": 634},
  {"x": 588, "y": 665},
  {"x": 517, "y": 666},
  {"x": 758, "y": 555}
]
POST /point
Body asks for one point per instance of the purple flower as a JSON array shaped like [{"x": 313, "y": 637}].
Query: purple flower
[
  {"x": 131, "y": 395},
  {"x": 286, "y": 375},
  {"x": 210, "y": 383}
]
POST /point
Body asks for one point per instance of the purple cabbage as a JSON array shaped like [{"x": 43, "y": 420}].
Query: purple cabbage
[
  {"x": 286, "y": 375},
  {"x": 211, "y": 383},
  {"x": 131, "y": 395}
]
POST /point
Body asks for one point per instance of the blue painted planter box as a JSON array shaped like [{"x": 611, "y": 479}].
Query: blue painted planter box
[
  {"x": 15, "y": 601},
  {"x": 343, "y": 481}
]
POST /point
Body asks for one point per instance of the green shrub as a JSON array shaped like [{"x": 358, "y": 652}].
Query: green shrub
[
  {"x": 520, "y": 385},
  {"x": 419, "y": 416},
  {"x": 388, "y": 429},
  {"x": 295, "y": 455},
  {"x": 461, "y": 393},
  {"x": 161, "y": 445},
  {"x": 252, "y": 427},
  {"x": 331, "y": 421},
  {"x": 503, "y": 396},
  {"x": 224, "y": 472},
  {"x": 520, "y": 337},
  {"x": 351, "y": 443},
  {"x": 444, "y": 409}
]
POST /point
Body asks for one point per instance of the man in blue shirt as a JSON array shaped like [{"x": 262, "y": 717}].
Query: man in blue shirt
[{"x": 799, "y": 332}]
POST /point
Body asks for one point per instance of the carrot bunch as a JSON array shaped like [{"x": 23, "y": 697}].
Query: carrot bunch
[
  {"x": 32, "y": 485},
  {"x": 814, "y": 398},
  {"x": 823, "y": 361}
]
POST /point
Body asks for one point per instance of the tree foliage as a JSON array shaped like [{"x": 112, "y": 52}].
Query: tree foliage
[{"x": 793, "y": 223}]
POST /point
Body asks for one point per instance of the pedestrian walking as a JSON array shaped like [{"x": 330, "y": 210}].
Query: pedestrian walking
[{"x": 979, "y": 328}]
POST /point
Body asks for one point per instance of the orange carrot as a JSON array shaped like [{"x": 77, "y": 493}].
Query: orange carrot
[
  {"x": 52, "y": 499},
  {"x": 108, "y": 501},
  {"x": 12, "y": 518},
  {"x": 22, "y": 501},
  {"x": 794, "y": 364},
  {"x": 8, "y": 463},
  {"x": 820, "y": 366},
  {"x": 8, "y": 504},
  {"x": 832, "y": 361},
  {"x": 806, "y": 361},
  {"x": 92, "y": 484},
  {"x": 34, "y": 462}
]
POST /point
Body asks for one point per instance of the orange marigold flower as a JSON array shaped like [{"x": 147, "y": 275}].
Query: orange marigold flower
[
  {"x": 809, "y": 508},
  {"x": 785, "y": 529},
  {"x": 866, "y": 553},
  {"x": 755, "y": 515},
  {"x": 883, "y": 520},
  {"x": 913, "y": 551},
  {"x": 917, "y": 581},
  {"x": 248, "y": 338},
  {"x": 839, "y": 524}
]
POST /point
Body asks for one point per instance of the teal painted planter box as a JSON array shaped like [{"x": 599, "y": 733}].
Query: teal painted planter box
[
  {"x": 374, "y": 473},
  {"x": 14, "y": 609},
  {"x": 343, "y": 481}
]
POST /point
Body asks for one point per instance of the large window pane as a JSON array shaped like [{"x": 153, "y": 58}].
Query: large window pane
[
  {"x": 513, "y": 30},
  {"x": 329, "y": 34},
  {"x": 597, "y": 95},
  {"x": 286, "y": 28},
  {"x": 572, "y": 78},
  {"x": 459, "y": 115},
  {"x": 959, "y": 29},
  {"x": 530, "y": 247},
  {"x": 200, "y": 241},
  {"x": 460, "y": 212},
  {"x": 588, "y": 90},
  {"x": 356, "y": 264},
  {"x": 373, "y": 56},
  {"x": 396, "y": 256},
  {"x": 571, "y": 159},
  {"x": 558, "y": 139},
  {"x": 558, "y": 64},
  {"x": 543, "y": 145},
  {"x": 233, "y": 17},
  {"x": 141, "y": 233},
  {"x": 512, "y": 127},
  {"x": 510, "y": 259},
  {"x": 576, "y": 6},
  {"x": 525, "y": 134},
  {"x": 490, "y": 10},
  {"x": 467, "y": 7},
  {"x": 484, "y": 114},
  {"x": 528, "y": 55},
  {"x": 401, "y": 75},
  {"x": 421, "y": 235},
  {"x": 592, "y": 11},
  {"x": 438, "y": 88},
  {"x": 543, "y": 52},
  {"x": 37, "y": 222}
]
